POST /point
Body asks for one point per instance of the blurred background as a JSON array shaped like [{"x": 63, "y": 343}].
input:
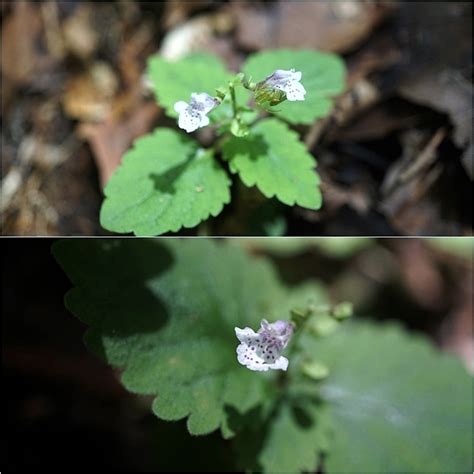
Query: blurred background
[
  {"x": 64, "y": 407},
  {"x": 396, "y": 146}
]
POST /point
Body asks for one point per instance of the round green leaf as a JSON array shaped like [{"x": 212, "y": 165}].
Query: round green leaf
[
  {"x": 397, "y": 404},
  {"x": 272, "y": 158},
  {"x": 323, "y": 76},
  {"x": 173, "y": 81},
  {"x": 165, "y": 182}
]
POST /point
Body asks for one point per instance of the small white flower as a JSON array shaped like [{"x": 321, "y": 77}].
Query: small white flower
[
  {"x": 287, "y": 82},
  {"x": 261, "y": 350},
  {"x": 194, "y": 115}
]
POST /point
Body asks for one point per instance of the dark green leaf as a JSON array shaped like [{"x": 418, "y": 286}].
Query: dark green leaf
[{"x": 165, "y": 312}]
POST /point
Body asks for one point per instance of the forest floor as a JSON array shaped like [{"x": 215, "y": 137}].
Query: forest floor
[{"x": 395, "y": 155}]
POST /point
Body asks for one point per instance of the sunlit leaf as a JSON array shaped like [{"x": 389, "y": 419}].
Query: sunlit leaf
[
  {"x": 165, "y": 182},
  {"x": 273, "y": 159}
]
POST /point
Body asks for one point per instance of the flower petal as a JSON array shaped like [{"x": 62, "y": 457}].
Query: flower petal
[
  {"x": 281, "y": 327},
  {"x": 280, "y": 364},
  {"x": 265, "y": 325},
  {"x": 245, "y": 335},
  {"x": 297, "y": 75},
  {"x": 281, "y": 75},
  {"x": 189, "y": 120},
  {"x": 294, "y": 91},
  {"x": 204, "y": 121},
  {"x": 247, "y": 350},
  {"x": 180, "y": 106},
  {"x": 203, "y": 102}
]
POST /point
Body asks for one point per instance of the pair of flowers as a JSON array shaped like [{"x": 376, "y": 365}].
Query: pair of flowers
[{"x": 194, "y": 115}]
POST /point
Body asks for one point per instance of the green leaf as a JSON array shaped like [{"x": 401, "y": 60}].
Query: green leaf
[
  {"x": 295, "y": 439},
  {"x": 462, "y": 247},
  {"x": 323, "y": 77},
  {"x": 267, "y": 219},
  {"x": 334, "y": 247},
  {"x": 273, "y": 159},
  {"x": 176, "y": 80},
  {"x": 165, "y": 182},
  {"x": 288, "y": 438},
  {"x": 397, "y": 404},
  {"x": 165, "y": 312}
]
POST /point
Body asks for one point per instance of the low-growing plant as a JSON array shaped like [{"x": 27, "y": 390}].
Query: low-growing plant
[
  {"x": 214, "y": 336},
  {"x": 168, "y": 180}
]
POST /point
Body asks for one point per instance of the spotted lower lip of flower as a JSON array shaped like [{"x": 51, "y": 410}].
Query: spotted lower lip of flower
[
  {"x": 279, "y": 85},
  {"x": 194, "y": 115},
  {"x": 261, "y": 350}
]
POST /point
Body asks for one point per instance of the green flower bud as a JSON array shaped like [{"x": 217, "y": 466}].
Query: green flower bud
[
  {"x": 314, "y": 370},
  {"x": 238, "y": 128},
  {"x": 221, "y": 93},
  {"x": 342, "y": 311}
]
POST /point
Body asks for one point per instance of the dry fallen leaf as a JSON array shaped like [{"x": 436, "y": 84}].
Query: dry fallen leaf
[
  {"x": 80, "y": 36},
  {"x": 407, "y": 184},
  {"x": 21, "y": 55},
  {"x": 447, "y": 91},
  {"x": 327, "y": 26},
  {"x": 110, "y": 139},
  {"x": 88, "y": 97},
  {"x": 203, "y": 33},
  {"x": 421, "y": 276}
]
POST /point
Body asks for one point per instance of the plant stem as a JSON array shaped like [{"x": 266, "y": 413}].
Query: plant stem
[
  {"x": 233, "y": 100},
  {"x": 296, "y": 338},
  {"x": 283, "y": 377},
  {"x": 312, "y": 312}
]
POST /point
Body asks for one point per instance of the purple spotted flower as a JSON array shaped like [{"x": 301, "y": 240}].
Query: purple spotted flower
[
  {"x": 262, "y": 350},
  {"x": 194, "y": 115},
  {"x": 280, "y": 85}
]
